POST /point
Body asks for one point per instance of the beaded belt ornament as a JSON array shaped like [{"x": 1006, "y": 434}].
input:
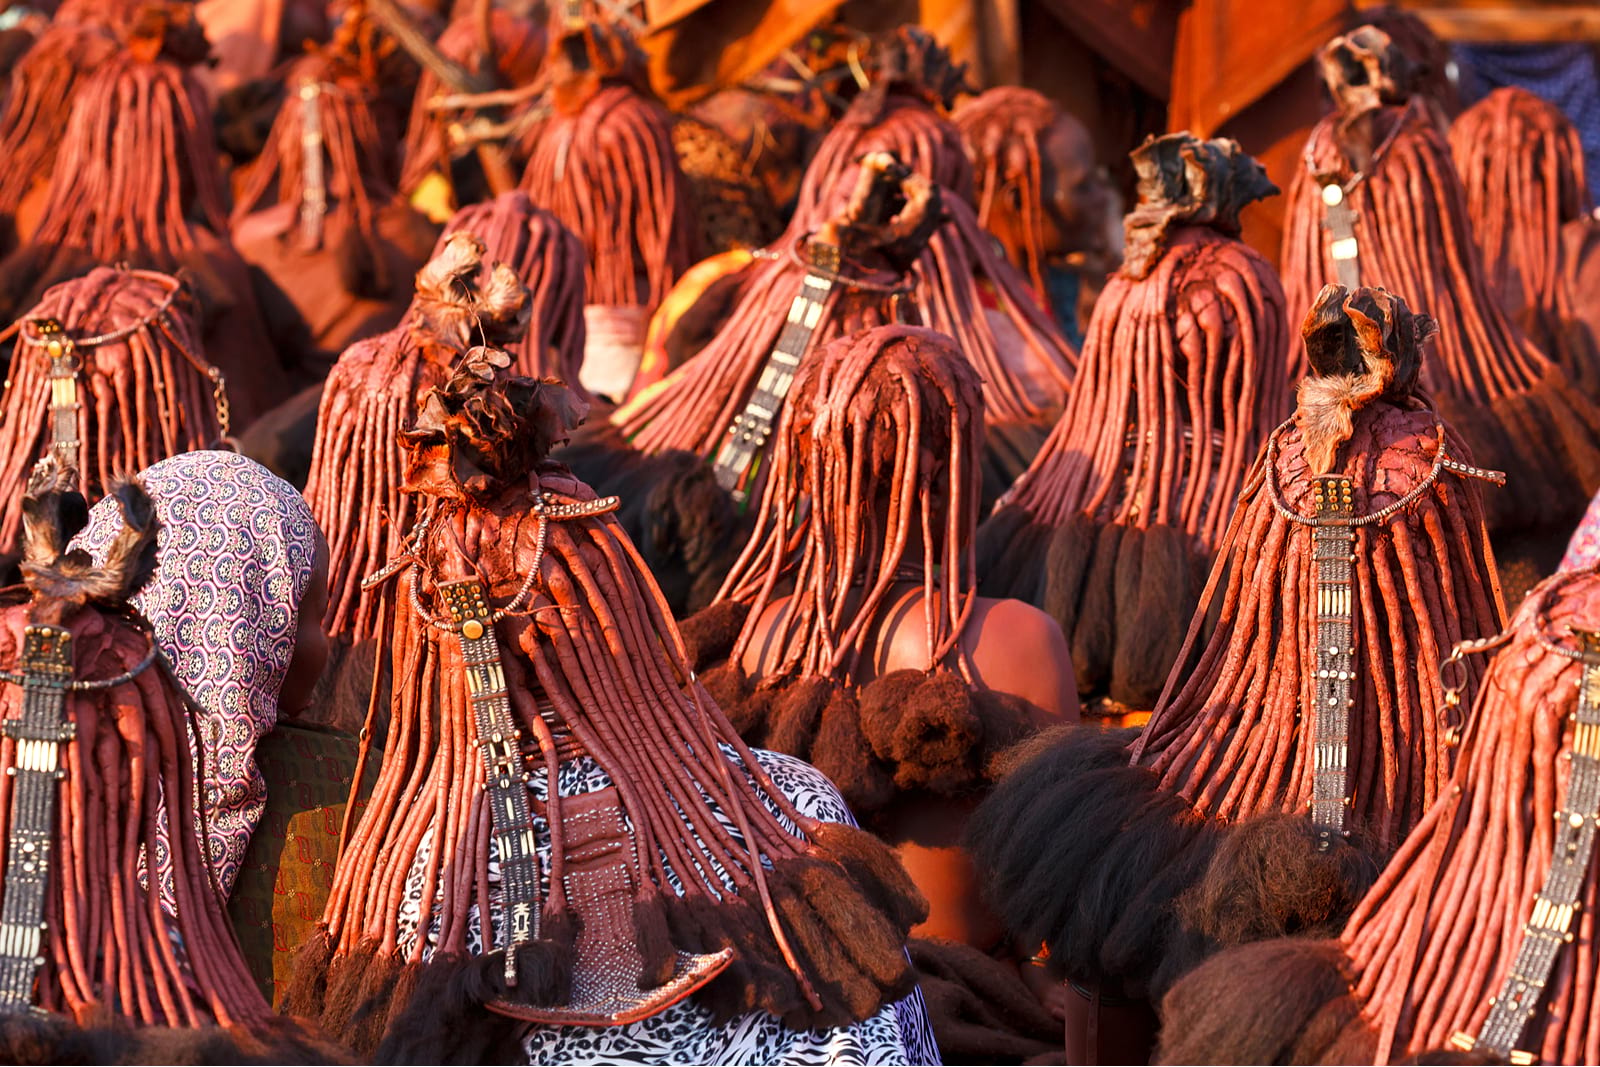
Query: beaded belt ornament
[
  {"x": 1557, "y": 902},
  {"x": 39, "y": 732},
  {"x": 1333, "y": 545},
  {"x": 505, "y": 781}
]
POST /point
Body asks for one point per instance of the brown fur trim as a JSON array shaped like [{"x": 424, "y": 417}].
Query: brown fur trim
[
  {"x": 796, "y": 712},
  {"x": 709, "y": 633},
  {"x": 1093, "y": 634},
  {"x": 1221, "y": 1012},
  {"x": 52, "y": 513},
  {"x": 1154, "y": 606},
  {"x": 979, "y": 1009},
  {"x": 841, "y": 752},
  {"x": 54, "y": 1039},
  {"x": 1268, "y": 878}
]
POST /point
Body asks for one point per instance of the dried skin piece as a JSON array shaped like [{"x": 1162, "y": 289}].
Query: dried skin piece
[
  {"x": 1516, "y": 408},
  {"x": 1196, "y": 835},
  {"x": 549, "y": 260},
  {"x": 1521, "y": 165},
  {"x": 144, "y": 392},
  {"x": 1179, "y": 383}
]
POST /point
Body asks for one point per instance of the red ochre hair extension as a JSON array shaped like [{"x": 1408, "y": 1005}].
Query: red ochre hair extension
[
  {"x": 1521, "y": 166},
  {"x": 145, "y": 389},
  {"x": 371, "y": 396}
]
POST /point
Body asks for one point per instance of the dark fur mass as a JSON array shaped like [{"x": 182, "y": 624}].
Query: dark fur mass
[
  {"x": 52, "y": 1039},
  {"x": 684, "y": 524},
  {"x": 980, "y": 1010},
  {"x": 1006, "y": 543},
  {"x": 1081, "y": 851},
  {"x": 709, "y": 635},
  {"x": 1268, "y": 879},
  {"x": 1218, "y": 1013}
]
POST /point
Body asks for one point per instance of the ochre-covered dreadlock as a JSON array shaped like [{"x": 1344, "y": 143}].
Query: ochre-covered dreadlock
[
  {"x": 549, "y": 260},
  {"x": 37, "y": 104},
  {"x": 877, "y": 453},
  {"x": 372, "y": 395},
  {"x": 142, "y": 387},
  {"x": 604, "y": 164},
  {"x": 1133, "y": 872},
  {"x": 814, "y": 913},
  {"x": 904, "y": 111},
  {"x": 1434, "y": 943},
  {"x": 327, "y": 229},
  {"x": 1113, "y": 527},
  {"x": 1383, "y": 155},
  {"x": 136, "y": 181},
  {"x": 1521, "y": 165},
  {"x": 109, "y": 955},
  {"x": 1005, "y": 129},
  {"x": 519, "y": 50}
]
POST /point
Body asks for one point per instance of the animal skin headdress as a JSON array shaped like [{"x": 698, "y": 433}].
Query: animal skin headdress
[
  {"x": 1112, "y": 527},
  {"x": 1298, "y": 740},
  {"x": 530, "y": 634},
  {"x": 372, "y": 395}
]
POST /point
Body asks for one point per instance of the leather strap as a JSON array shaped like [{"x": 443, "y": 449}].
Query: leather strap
[
  {"x": 1332, "y": 552},
  {"x": 601, "y": 880},
  {"x": 39, "y": 732}
]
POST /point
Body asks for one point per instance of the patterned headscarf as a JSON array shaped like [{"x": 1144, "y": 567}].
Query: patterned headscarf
[{"x": 235, "y": 552}]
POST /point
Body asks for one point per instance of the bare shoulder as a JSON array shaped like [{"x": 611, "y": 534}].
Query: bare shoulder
[{"x": 1018, "y": 649}]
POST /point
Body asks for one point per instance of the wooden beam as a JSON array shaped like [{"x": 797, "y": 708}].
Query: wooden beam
[{"x": 1135, "y": 36}]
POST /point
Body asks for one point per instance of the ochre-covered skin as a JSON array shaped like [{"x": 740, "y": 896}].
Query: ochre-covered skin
[
  {"x": 1435, "y": 938},
  {"x": 143, "y": 397}
]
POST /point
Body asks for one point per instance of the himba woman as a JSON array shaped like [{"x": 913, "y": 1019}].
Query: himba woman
[
  {"x": 1114, "y": 526},
  {"x": 1478, "y": 943},
  {"x": 1039, "y": 192},
  {"x": 1378, "y": 202},
  {"x": 1280, "y": 772},
  {"x": 109, "y": 964},
  {"x": 961, "y": 286},
  {"x": 566, "y": 831},
  {"x": 1521, "y": 167},
  {"x": 109, "y": 376},
  {"x": 852, "y": 635},
  {"x": 318, "y": 215},
  {"x": 604, "y": 164},
  {"x": 136, "y": 181}
]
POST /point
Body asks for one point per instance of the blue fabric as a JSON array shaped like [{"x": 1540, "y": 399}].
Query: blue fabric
[
  {"x": 1062, "y": 285},
  {"x": 1565, "y": 75}
]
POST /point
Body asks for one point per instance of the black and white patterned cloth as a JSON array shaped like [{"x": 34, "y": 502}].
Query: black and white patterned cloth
[{"x": 686, "y": 1033}]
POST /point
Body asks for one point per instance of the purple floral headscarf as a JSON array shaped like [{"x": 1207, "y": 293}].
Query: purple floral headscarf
[{"x": 235, "y": 551}]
